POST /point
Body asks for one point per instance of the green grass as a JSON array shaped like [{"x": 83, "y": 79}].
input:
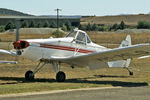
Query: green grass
[{"x": 37, "y": 87}]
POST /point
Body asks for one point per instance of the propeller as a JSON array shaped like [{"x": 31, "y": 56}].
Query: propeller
[{"x": 17, "y": 42}]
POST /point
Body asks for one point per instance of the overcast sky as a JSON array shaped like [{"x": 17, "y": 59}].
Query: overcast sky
[{"x": 78, "y": 7}]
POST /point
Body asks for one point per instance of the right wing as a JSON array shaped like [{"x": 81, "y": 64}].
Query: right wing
[
  {"x": 124, "y": 53},
  {"x": 8, "y": 62}
]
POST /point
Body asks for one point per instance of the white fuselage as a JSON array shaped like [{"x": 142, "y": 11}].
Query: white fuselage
[{"x": 58, "y": 47}]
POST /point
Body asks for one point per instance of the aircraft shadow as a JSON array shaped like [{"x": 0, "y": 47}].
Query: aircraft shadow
[
  {"x": 16, "y": 80},
  {"x": 110, "y": 76}
]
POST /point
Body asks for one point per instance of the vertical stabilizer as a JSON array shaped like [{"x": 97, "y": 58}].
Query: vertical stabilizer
[{"x": 126, "y": 42}]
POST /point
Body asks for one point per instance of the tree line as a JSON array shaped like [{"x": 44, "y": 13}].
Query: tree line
[
  {"x": 67, "y": 26},
  {"x": 114, "y": 27}
]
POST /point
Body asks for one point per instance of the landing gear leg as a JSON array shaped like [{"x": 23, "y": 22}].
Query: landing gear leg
[
  {"x": 60, "y": 75},
  {"x": 130, "y": 72},
  {"x": 29, "y": 75}
]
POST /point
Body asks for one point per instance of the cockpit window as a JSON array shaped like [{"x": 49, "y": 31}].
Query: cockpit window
[
  {"x": 81, "y": 38},
  {"x": 72, "y": 34},
  {"x": 88, "y": 40}
]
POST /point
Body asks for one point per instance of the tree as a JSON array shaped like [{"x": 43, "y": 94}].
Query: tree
[
  {"x": 68, "y": 25},
  {"x": 24, "y": 24},
  {"x": 53, "y": 24},
  {"x": 32, "y": 24},
  {"x": 115, "y": 27},
  {"x": 94, "y": 27},
  {"x": 9, "y": 25},
  {"x": 46, "y": 24},
  {"x": 39, "y": 25},
  {"x": 88, "y": 27},
  {"x": 122, "y": 25}
]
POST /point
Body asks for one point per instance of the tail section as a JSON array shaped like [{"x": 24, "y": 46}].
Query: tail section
[
  {"x": 126, "y": 42},
  {"x": 122, "y": 63}
]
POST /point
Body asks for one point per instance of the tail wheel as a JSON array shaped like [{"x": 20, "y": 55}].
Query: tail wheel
[
  {"x": 29, "y": 75},
  {"x": 60, "y": 76}
]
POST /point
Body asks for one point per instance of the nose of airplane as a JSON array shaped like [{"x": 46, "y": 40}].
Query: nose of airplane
[{"x": 21, "y": 44}]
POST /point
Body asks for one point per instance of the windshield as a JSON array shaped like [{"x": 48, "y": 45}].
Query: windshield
[{"x": 72, "y": 34}]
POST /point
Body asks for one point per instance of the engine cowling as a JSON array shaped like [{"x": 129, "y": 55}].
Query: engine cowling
[{"x": 21, "y": 44}]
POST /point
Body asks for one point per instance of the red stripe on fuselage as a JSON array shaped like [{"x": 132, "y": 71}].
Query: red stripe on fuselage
[{"x": 65, "y": 48}]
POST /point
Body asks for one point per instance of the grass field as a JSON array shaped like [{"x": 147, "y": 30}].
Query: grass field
[
  {"x": 12, "y": 76},
  {"x": 128, "y": 19}
]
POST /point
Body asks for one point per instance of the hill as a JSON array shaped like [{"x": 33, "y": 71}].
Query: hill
[
  {"x": 131, "y": 20},
  {"x": 6, "y": 12}
]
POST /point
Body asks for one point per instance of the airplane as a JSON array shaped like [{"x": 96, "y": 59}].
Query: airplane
[{"x": 76, "y": 49}]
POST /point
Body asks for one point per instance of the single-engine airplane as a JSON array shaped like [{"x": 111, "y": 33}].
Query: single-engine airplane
[{"x": 76, "y": 49}]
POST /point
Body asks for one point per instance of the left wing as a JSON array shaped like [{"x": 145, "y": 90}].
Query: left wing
[
  {"x": 8, "y": 53},
  {"x": 122, "y": 53}
]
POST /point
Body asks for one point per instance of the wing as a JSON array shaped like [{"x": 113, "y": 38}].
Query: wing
[
  {"x": 8, "y": 62},
  {"x": 107, "y": 56},
  {"x": 7, "y": 52}
]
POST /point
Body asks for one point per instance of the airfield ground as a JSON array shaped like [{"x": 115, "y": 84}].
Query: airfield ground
[{"x": 12, "y": 76}]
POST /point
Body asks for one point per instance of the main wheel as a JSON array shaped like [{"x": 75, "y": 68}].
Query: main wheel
[
  {"x": 60, "y": 76},
  {"x": 131, "y": 73},
  {"x": 29, "y": 75}
]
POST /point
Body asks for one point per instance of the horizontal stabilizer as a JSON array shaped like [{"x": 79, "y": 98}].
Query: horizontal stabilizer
[{"x": 8, "y": 62}]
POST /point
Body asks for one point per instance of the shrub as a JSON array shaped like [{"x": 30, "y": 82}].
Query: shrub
[
  {"x": 115, "y": 27},
  {"x": 143, "y": 25},
  {"x": 101, "y": 28},
  {"x": 82, "y": 27},
  {"x": 2, "y": 28},
  {"x": 9, "y": 25},
  {"x": 94, "y": 27},
  {"x": 58, "y": 33},
  {"x": 64, "y": 28}
]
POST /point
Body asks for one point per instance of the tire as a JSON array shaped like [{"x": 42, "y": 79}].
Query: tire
[
  {"x": 60, "y": 76},
  {"x": 29, "y": 75},
  {"x": 131, "y": 73}
]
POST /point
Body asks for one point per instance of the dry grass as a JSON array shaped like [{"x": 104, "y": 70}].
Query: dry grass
[
  {"x": 12, "y": 37},
  {"x": 128, "y": 19},
  {"x": 12, "y": 76},
  {"x": 100, "y": 38}
]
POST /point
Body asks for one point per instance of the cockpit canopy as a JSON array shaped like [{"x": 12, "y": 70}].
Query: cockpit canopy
[{"x": 79, "y": 36}]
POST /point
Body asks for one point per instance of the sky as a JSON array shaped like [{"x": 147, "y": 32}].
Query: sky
[{"x": 78, "y": 7}]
